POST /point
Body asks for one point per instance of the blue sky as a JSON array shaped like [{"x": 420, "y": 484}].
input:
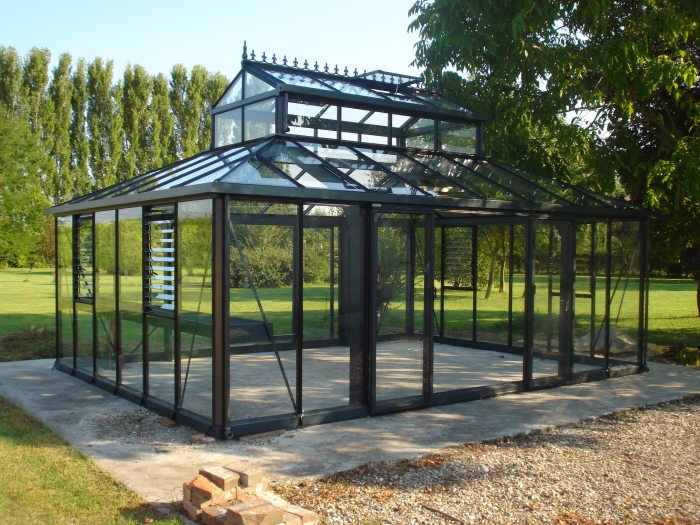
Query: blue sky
[{"x": 362, "y": 34}]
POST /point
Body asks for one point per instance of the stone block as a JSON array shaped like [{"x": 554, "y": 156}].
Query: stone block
[
  {"x": 305, "y": 515},
  {"x": 201, "y": 438},
  {"x": 241, "y": 491},
  {"x": 249, "y": 475},
  {"x": 186, "y": 492},
  {"x": 193, "y": 511},
  {"x": 215, "y": 515},
  {"x": 254, "y": 513},
  {"x": 291, "y": 519},
  {"x": 221, "y": 477},
  {"x": 166, "y": 422}
]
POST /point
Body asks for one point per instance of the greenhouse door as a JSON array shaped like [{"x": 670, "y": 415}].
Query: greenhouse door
[
  {"x": 555, "y": 262},
  {"x": 401, "y": 327}
]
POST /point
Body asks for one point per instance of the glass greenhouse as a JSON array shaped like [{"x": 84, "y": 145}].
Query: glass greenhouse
[{"x": 343, "y": 249}]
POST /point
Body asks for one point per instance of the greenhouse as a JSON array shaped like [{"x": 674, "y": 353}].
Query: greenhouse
[{"x": 344, "y": 248}]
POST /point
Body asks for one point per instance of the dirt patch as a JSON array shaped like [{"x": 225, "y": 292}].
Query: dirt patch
[
  {"x": 32, "y": 343},
  {"x": 678, "y": 355}
]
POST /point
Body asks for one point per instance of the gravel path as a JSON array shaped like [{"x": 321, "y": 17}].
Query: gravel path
[{"x": 640, "y": 466}]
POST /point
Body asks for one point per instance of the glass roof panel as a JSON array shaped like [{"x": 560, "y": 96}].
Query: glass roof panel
[
  {"x": 255, "y": 172},
  {"x": 470, "y": 180},
  {"x": 514, "y": 184},
  {"x": 305, "y": 168},
  {"x": 352, "y": 89},
  {"x": 225, "y": 163},
  {"x": 363, "y": 170},
  {"x": 234, "y": 93},
  {"x": 298, "y": 79},
  {"x": 439, "y": 101},
  {"x": 414, "y": 172},
  {"x": 255, "y": 86}
]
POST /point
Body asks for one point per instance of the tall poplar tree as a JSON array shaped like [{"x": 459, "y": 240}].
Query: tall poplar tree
[
  {"x": 214, "y": 88},
  {"x": 34, "y": 80},
  {"x": 60, "y": 94},
  {"x": 10, "y": 81},
  {"x": 187, "y": 103},
  {"x": 160, "y": 130},
  {"x": 79, "y": 149},
  {"x": 137, "y": 89}
]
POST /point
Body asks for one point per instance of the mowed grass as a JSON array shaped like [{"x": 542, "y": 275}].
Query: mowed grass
[
  {"x": 45, "y": 480},
  {"x": 27, "y": 299}
]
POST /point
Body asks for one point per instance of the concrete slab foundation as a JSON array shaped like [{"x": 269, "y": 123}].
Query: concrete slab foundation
[{"x": 156, "y": 469}]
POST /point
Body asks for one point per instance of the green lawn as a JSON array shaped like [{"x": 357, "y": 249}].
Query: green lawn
[
  {"x": 45, "y": 480},
  {"x": 28, "y": 300}
]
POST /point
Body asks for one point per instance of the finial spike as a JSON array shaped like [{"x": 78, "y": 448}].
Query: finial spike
[
  {"x": 252, "y": 54},
  {"x": 346, "y": 71},
  {"x": 296, "y": 64},
  {"x": 284, "y": 60},
  {"x": 264, "y": 58},
  {"x": 336, "y": 69},
  {"x": 326, "y": 68},
  {"x": 245, "y": 51},
  {"x": 316, "y": 66},
  {"x": 306, "y": 64},
  {"x": 355, "y": 72},
  {"x": 274, "y": 58}
]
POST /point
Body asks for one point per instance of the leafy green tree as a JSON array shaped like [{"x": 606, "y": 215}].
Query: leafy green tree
[
  {"x": 138, "y": 86},
  {"x": 60, "y": 94},
  {"x": 10, "y": 81},
  {"x": 187, "y": 104},
  {"x": 629, "y": 67},
  {"x": 35, "y": 77},
  {"x": 215, "y": 86},
  {"x": 79, "y": 149},
  {"x": 160, "y": 129},
  {"x": 21, "y": 199}
]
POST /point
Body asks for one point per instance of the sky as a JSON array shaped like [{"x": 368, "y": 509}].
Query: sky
[{"x": 157, "y": 34}]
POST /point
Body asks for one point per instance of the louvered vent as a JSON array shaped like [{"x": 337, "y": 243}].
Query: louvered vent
[
  {"x": 159, "y": 255},
  {"x": 83, "y": 280}
]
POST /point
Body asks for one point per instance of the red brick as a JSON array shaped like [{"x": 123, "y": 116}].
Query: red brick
[
  {"x": 201, "y": 438},
  {"x": 253, "y": 513},
  {"x": 186, "y": 492},
  {"x": 291, "y": 519},
  {"x": 166, "y": 422},
  {"x": 203, "y": 486},
  {"x": 221, "y": 477},
  {"x": 215, "y": 515},
  {"x": 248, "y": 475},
  {"x": 192, "y": 510},
  {"x": 306, "y": 515}
]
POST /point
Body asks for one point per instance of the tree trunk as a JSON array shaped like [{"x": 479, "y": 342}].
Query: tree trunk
[
  {"x": 697, "y": 296},
  {"x": 502, "y": 287},
  {"x": 492, "y": 270}
]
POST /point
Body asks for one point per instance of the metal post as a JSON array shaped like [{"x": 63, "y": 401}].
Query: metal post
[
  {"x": 298, "y": 279},
  {"x": 550, "y": 263},
  {"x": 510, "y": 285},
  {"x": 428, "y": 303},
  {"x": 643, "y": 239},
  {"x": 442, "y": 281},
  {"x": 332, "y": 285},
  {"x": 475, "y": 269},
  {"x": 530, "y": 290},
  {"x": 608, "y": 279},
  {"x": 221, "y": 283},
  {"x": 57, "y": 283},
  {"x": 93, "y": 230},
  {"x": 176, "y": 313},
  {"x": 117, "y": 299},
  {"x": 594, "y": 271},
  {"x": 145, "y": 243}
]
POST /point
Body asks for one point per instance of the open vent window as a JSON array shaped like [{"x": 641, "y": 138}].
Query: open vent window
[
  {"x": 159, "y": 259},
  {"x": 83, "y": 267}
]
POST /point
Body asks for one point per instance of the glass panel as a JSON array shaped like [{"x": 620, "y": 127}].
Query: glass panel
[
  {"x": 84, "y": 337},
  {"x": 400, "y": 330},
  {"x": 161, "y": 362},
  {"x": 262, "y": 312},
  {"x": 295, "y": 79},
  {"x": 214, "y": 170},
  {"x": 255, "y": 86},
  {"x": 259, "y": 119},
  {"x": 255, "y": 172},
  {"x": 312, "y": 119},
  {"x": 518, "y": 287},
  {"x": 83, "y": 261},
  {"x": 439, "y": 101},
  {"x": 234, "y": 93},
  {"x": 457, "y": 282},
  {"x": 352, "y": 89},
  {"x": 195, "y": 315},
  {"x": 130, "y": 297},
  {"x": 303, "y": 167},
  {"x": 412, "y": 171},
  {"x": 460, "y": 138},
  {"x": 467, "y": 178},
  {"x": 64, "y": 289},
  {"x": 105, "y": 298},
  {"x": 366, "y": 172},
  {"x": 493, "y": 247},
  {"x": 229, "y": 127},
  {"x": 624, "y": 293},
  {"x": 159, "y": 247},
  {"x": 334, "y": 305},
  {"x": 421, "y": 134}
]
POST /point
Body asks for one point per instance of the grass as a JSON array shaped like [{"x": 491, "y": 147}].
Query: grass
[
  {"x": 28, "y": 300},
  {"x": 45, "y": 480}
]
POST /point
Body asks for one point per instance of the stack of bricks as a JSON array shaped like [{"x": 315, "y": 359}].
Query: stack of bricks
[{"x": 237, "y": 494}]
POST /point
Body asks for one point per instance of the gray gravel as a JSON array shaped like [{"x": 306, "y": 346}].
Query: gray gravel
[{"x": 639, "y": 466}]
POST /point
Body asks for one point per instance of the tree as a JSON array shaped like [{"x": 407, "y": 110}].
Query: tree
[
  {"x": 60, "y": 94},
  {"x": 80, "y": 153},
  {"x": 10, "y": 81},
  {"x": 631, "y": 67},
  {"x": 138, "y": 86},
  {"x": 21, "y": 199},
  {"x": 160, "y": 130},
  {"x": 187, "y": 104}
]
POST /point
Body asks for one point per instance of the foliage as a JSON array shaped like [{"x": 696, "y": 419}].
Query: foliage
[
  {"x": 21, "y": 199},
  {"x": 627, "y": 69}
]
